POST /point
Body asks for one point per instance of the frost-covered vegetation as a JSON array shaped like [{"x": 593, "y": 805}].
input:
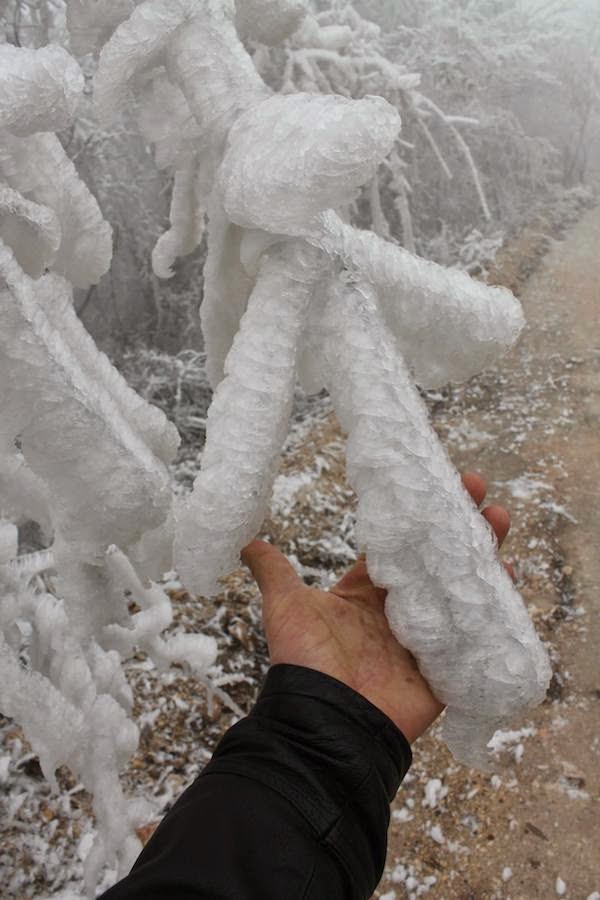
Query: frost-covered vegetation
[{"x": 308, "y": 154}]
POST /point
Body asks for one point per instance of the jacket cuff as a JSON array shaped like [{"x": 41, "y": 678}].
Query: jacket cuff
[
  {"x": 332, "y": 754},
  {"x": 393, "y": 754}
]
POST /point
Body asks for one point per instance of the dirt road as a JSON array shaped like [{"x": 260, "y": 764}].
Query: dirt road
[{"x": 533, "y": 428}]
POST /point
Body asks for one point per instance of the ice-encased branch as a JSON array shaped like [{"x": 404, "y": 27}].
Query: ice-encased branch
[
  {"x": 450, "y": 602},
  {"x": 71, "y": 418},
  {"x": 325, "y": 148},
  {"x": 248, "y": 421},
  {"x": 39, "y": 169},
  {"x": 143, "y": 630},
  {"x": 448, "y": 326},
  {"x": 40, "y": 89},
  {"x": 32, "y": 231},
  {"x": 188, "y": 209},
  {"x": 90, "y": 734}
]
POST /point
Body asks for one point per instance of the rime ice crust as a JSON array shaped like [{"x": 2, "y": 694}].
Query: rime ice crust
[
  {"x": 38, "y": 168},
  {"x": 449, "y": 600},
  {"x": 33, "y": 231},
  {"x": 91, "y": 22},
  {"x": 68, "y": 404}
]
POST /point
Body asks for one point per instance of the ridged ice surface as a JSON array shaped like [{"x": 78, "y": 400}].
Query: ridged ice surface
[
  {"x": 71, "y": 719},
  {"x": 291, "y": 290},
  {"x": 32, "y": 231},
  {"x": 247, "y": 421},
  {"x": 227, "y": 287},
  {"x": 40, "y": 89},
  {"x": 286, "y": 169},
  {"x": 321, "y": 149},
  {"x": 449, "y": 600}
]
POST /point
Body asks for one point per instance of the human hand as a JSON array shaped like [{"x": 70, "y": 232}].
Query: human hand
[{"x": 344, "y": 633}]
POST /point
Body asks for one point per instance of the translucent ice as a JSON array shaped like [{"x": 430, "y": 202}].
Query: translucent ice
[
  {"x": 66, "y": 397},
  {"x": 322, "y": 148},
  {"x": 32, "y": 231}
]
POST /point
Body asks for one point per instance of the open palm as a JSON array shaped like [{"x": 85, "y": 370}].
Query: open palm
[{"x": 344, "y": 633}]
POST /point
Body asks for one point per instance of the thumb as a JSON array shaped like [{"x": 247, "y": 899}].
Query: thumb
[{"x": 274, "y": 574}]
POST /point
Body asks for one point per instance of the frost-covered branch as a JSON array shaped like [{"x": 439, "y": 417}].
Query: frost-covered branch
[
  {"x": 280, "y": 166},
  {"x": 82, "y": 456}
]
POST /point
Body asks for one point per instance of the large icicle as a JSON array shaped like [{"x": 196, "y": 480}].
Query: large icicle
[
  {"x": 188, "y": 209},
  {"x": 227, "y": 287},
  {"x": 247, "y": 421},
  {"x": 449, "y": 600}
]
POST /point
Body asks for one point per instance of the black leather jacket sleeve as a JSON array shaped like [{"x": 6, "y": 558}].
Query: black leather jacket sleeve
[{"x": 293, "y": 804}]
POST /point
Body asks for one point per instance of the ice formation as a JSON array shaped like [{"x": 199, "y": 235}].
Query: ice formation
[
  {"x": 84, "y": 457},
  {"x": 293, "y": 291}
]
